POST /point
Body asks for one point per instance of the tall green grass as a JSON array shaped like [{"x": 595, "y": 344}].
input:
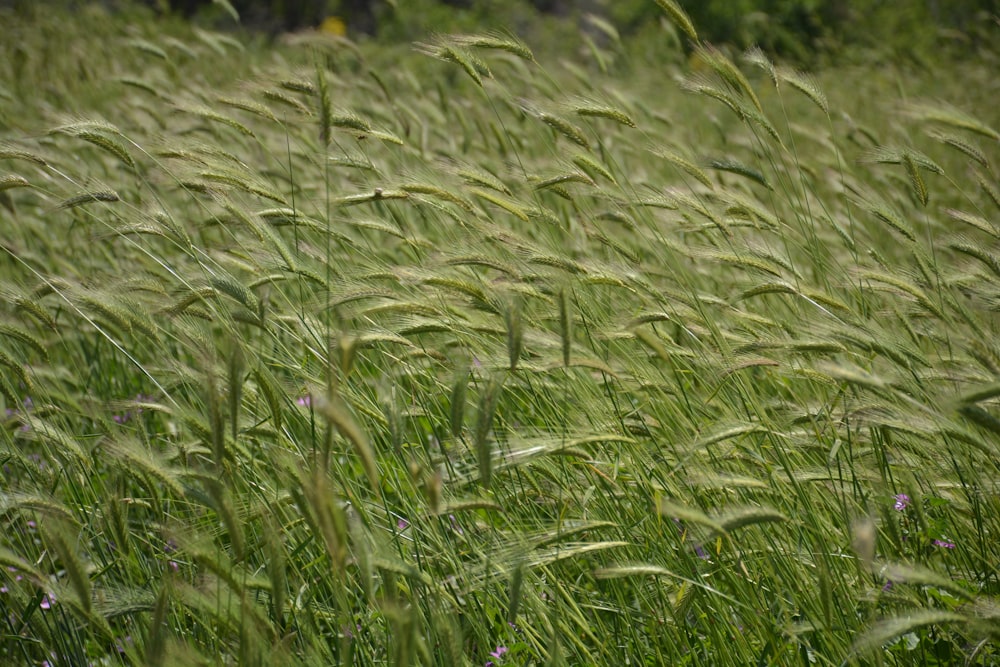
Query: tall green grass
[{"x": 333, "y": 355}]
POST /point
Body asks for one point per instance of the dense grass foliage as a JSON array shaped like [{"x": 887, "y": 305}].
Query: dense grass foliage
[{"x": 328, "y": 355}]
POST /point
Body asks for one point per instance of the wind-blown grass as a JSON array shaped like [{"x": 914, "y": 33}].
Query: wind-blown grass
[{"x": 314, "y": 356}]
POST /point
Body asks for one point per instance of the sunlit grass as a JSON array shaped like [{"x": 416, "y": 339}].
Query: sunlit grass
[{"x": 335, "y": 355}]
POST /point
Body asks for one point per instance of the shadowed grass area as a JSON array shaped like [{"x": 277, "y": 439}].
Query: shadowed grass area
[{"x": 331, "y": 354}]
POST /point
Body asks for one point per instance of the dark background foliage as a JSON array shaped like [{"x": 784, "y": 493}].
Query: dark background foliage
[{"x": 804, "y": 31}]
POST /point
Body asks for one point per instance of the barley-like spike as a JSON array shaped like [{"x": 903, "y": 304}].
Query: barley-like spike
[
  {"x": 484, "y": 424},
  {"x": 748, "y": 516},
  {"x": 891, "y": 218},
  {"x": 562, "y": 263},
  {"x": 515, "y": 332},
  {"x": 24, "y": 338},
  {"x": 55, "y": 534},
  {"x": 351, "y": 121},
  {"x": 731, "y": 74},
  {"x": 978, "y": 222},
  {"x": 952, "y": 117},
  {"x": 89, "y": 198},
  {"x": 496, "y": 40},
  {"x": 900, "y": 284},
  {"x": 686, "y": 165},
  {"x": 805, "y": 84},
  {"x": 11, "y": 153},
  {"x": 222, "y": 503},
  {"x": 886, "y": 631},
  {"x": 755, "y": 56},
  {"x": 148, "y": 48},
  {"x": 35, "y": 310},
  {"x": 435, "y": 191},
  {"x": 565, "y": 326},
  {"x": 963, "y": 146},
  {"x": 679, "y": 17},
  {"x": 571, "y": 177},
  {"x": 991, "y": 261},
  {"x": 891, "y": 155},
  {"x": 610, "y": 113},
  {"x": 298, "y": 86},
  {"x": 325, "y": 112},
  {"x": 457, "y": 402},
  {"x": 767, "y": 288},
  {"x": 917, "y": 184},
  {"x": 236, "y": 290},
  {"x": 484, "y": 179},
  {"x": 132, "y": 455},
  {"x": 592, "y": 166},
  {"x": 337, "y": 412},
  {"x": 13, "y": 181},
  {"x": 242, "y": 182},
  {"x": 216, "y": 117},
  {"x": 483, "y": 260},
  {"x": 740, "y": 169},
  {"x": 992, "y": 192},
  {"x": 109, "y": 144},
  {"x": 274, "y": 549},
  {"x": 236, "y": 374},
  {"x": 282, "y": 98},
  {"x": 249, "y": 106},
  {"x": 503, "y": 203},
  {"x": 565, "y": 128},
  {"x": 460, "y": 57}
]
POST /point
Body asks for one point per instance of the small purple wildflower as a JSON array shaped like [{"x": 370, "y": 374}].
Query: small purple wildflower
[
  {"x": 887, "y": 587},
  {"x": 47, "y": 601},
  {"x": 454, "y": 524},
  {"x": 402, "y": 524},
  {"x": 121, "y": 644},
  {"x": 498, "y": 653},
  {"x": 170, "y": 547},
  {"x": 944, "y": 544},
  {"x": 32, "y": 525},
  {"x": 902, "y": 502},
  {"x": 305, "y": 401},
  {"x": 173, "y": 565}
]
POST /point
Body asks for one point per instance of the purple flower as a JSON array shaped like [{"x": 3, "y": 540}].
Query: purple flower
[
  {"x": 454, "y": 524},
  {"x": 499, "y": 652},
  {"x": 304, "y": 400},
  {"x": 402, "y": 524},
  {"x": 902, "y": 501},
  {"x": 121, "y": 644},
  {"x": 173, "y": 565},
  {"x": 47, "y": 601},
  {"x": 944, "y": 544},
  {"x": 887, "y": 587}
]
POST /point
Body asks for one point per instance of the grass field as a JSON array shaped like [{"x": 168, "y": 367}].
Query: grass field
[{"x": 447, "y": 355}]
